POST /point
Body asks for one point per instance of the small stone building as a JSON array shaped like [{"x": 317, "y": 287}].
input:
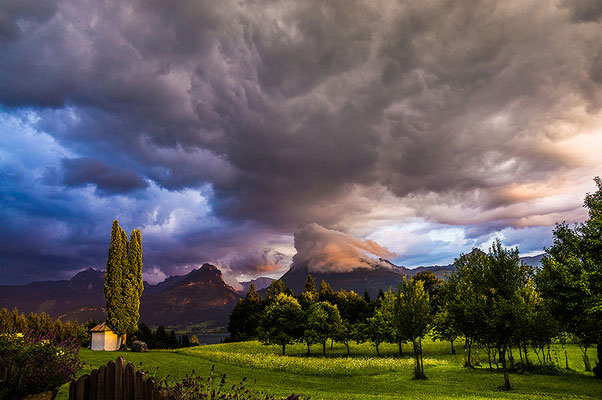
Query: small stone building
[{"x": 103, "y": 338}]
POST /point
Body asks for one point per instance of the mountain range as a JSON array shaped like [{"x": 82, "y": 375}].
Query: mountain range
[{"x": 197, "y": 297}]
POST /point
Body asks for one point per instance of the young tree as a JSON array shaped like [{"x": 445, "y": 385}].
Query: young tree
[
  {"x": 463, "y": 297},
  {"x": 412, "y": 305},
  {"x": 281, "y": 321},
  {"x": 379, "y": 327},
  {"x": 505, "y": 277},
  {"x": 322, "y": 322},
  {"x": 444, "y": 328}
]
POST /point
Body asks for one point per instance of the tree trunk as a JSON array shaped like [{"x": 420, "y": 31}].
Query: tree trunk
[
  {"x": 421, "y": 359},
  {"x": 324, "y": 348},
  {"x": 549, "y": 353},
  {"x": 489, "y": 357},
  {"x": 418, "y": 370},
  {"x": 307, "y": 348},
  {"x": 467, "y": 355},
  {"x": 347, "y": 345},
  {"x": 452, "y": 346},
  {"x": 400, "y": 349},
  {"x": 377, "y": 352},
  {"x": 511, "y": 357},
  {"x": 584, "y": 349},
  {"x": 331, "y": 343},
  {"x": 283, "y": 348},
  {"x": 504, "y": 367}
]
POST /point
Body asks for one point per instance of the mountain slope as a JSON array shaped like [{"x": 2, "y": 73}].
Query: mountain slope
[
  {"x": 56, "y": 297},
  {"x": 201, "y": 295}
]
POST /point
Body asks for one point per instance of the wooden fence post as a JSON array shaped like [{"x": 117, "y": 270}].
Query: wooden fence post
[
  {"x": 110, "y": 381},
  {"x": 118, "y": 380},
  {"x": 100, "y": 394}
]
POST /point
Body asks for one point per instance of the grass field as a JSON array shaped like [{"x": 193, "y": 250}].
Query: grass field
[{"x": 361, "y": 376}]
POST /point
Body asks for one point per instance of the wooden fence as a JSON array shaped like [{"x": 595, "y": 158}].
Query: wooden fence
[{"x": 118, "y": 380}]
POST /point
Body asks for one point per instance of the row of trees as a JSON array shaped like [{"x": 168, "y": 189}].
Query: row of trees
[
  {"x": 161, "y": 339},
  {"x": 43, "y": 325},
  {"x": 491, "y": 299}
]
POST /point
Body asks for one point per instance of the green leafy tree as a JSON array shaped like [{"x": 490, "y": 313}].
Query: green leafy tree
[
  {"x": 322, "y": 322},
  {"x": 571, "y": 276},
  {"x": 505, "y": 276},
  {"x": 444, "y": 328},
  {"x": 281, "y": 322},
  {"x": 432, "y": 285},
  {"x": 464, "y": 299},
  {"x": 413, "y": 307},
  {"x": 379, "y": 327}
]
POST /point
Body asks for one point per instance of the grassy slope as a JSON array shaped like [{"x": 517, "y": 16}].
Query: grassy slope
[{"x": 338, "y": 377}]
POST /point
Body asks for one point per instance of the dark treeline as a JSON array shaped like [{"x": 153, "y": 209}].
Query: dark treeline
[
  {"x": 492, "y": 300},
  {"x": 161, "y": 339},
  {"x": 43, "y": 325}
]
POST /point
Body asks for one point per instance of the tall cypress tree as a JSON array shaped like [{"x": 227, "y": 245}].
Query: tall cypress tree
[
  {"x": 123, "y": 281},
  {"x": 113, "y": 281},
  {"x": 135, "y": 276}
]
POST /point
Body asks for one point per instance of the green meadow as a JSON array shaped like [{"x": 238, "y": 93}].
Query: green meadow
[{"x": 362, "y": 375}]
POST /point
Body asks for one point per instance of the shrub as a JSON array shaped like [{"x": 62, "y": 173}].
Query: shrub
[
  {"x": 215, "y": 387},
  {"x": 32, "y": 363}
]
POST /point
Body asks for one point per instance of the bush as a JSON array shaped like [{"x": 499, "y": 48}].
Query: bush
[
  {"x": 31, "y": 364},
  {"x": 215, "y": 387}
]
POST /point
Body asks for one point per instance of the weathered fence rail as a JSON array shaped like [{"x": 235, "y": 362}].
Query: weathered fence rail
[{"x": 118, "y": 380}]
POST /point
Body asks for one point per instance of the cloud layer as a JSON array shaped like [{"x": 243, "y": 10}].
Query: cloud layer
[
  {"x": 323, "y": 250},
  {"x": 221, "y": 128}
]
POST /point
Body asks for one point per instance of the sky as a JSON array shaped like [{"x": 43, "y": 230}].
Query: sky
[{"x": 250, "y": 134}]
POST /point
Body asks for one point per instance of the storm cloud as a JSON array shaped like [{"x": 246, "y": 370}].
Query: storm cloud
[
  {"x": 325, "y": 250},
  {"x": 222, "y": 128}
]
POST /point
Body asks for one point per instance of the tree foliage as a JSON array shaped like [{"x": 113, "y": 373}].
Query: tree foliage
[
  {"x": 571, "y": 275},
  {"x": 281, "y": 321},
  {"x": 123, "y": 281}
]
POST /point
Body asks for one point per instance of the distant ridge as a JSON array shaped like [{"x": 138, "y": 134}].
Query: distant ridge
[{"x": 197, "y": 297}]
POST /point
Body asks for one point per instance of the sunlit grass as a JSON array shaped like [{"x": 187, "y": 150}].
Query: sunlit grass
[
  {"x": 363, "y": 375},
  {"x": 332, "y": 366}
]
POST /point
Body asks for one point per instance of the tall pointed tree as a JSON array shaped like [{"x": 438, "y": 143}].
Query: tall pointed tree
[
  {"x": 123, "y": 281},
  {"x": 135, "y": 275}
]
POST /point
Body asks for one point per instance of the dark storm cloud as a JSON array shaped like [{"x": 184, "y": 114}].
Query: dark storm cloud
[
  {"x": 296, "y": 112},
  {"x": 265, "y": 261},
  {"x": 584, "y": 10},
  {"x": 107, "y": 178}
]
